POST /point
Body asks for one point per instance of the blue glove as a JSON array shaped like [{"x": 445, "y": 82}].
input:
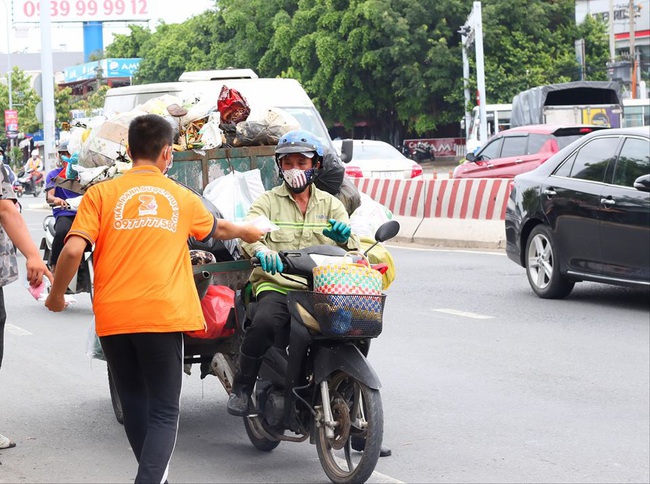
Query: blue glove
[
  {"x": 339, "y": 231},
  {"x": 270, "y": 261}
]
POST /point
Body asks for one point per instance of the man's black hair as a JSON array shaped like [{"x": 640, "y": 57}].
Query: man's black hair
[{"x": 148, "y": 135}]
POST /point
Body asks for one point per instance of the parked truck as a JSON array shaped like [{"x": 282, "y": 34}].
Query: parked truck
[{"x": 581, "y": 102}]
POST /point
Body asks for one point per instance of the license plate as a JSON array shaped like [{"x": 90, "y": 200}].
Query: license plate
[{"x": 387, "y": 174}]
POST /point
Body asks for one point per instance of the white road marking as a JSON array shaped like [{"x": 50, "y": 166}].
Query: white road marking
[
  {"x": 464, "y": 314},
  {"x": 498, "y": 252},
  {"x": 375, "y": 476},
  {"x": 17, "y": 330}
]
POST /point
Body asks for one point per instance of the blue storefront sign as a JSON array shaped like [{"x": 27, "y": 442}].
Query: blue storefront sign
[{"x": 105, "y": 68}]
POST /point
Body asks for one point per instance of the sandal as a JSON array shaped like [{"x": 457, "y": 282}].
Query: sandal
[{"x": 5, "y": 443}]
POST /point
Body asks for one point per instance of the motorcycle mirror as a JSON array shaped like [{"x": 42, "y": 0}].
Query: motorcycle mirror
[
  {"x": 387, "y": 231},
  {"x": 347, "y": 148}
]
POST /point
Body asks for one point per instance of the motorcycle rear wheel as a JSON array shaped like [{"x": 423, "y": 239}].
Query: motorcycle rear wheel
[
  {"x": 340, "y": 462},
  {"x": 259, "y": 442}
]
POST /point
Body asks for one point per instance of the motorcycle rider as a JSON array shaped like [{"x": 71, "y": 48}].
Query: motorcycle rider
[
  {"x": 34, "y": 164},
  {"x": 58, "y": 197},
  {"x": 306, "y": 216}
]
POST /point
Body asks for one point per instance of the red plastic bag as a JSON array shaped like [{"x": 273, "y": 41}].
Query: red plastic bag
[
  {"x": 232, "y": 106},
  {"x": 216, "y": 305}
]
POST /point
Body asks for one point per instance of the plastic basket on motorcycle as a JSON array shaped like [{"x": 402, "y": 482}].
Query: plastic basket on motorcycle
[{"x": 347, "y": 315}]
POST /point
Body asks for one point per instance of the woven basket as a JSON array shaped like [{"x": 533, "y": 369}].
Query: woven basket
[{"x": 347, "y": 278}]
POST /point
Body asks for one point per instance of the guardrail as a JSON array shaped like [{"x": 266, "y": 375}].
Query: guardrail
[{"x": 478, "y": 199}]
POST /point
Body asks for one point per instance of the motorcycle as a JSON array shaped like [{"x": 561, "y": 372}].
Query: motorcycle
[
  {"x": 82, "y": 281},
  {"x": 320, "y": 387},
  {"x": 24, "y": 179}
]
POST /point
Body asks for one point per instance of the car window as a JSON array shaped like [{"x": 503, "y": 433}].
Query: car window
[
  {"x": 565, "y": 168},
  {"x": 492, "y": 150},
  {"x": 591, "y": 160},
  {"x": 536, "y": 141},
  {"x": 514, "y": 146},
  {"x": 364, "y": 151},
  {"x": 633, "y": 162},
  {"x": 564, "y": 141}
]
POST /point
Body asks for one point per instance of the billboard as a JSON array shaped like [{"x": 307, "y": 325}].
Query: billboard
[
  {"x": 11, "y": 123},
  {"x": 105, "y": 68},
  {"x": 84, "y": 10}
]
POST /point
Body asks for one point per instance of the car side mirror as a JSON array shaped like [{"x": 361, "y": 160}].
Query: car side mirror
[
  {"x": 347, "y": 147},
  {"x": 642, "y": 183},
  {"x": 470, "y": 157}
]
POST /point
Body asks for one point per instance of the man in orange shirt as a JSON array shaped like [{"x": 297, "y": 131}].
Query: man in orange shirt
[{"x": 145, "y": 297}]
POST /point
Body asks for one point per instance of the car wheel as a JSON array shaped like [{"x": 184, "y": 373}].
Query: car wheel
[{"x": 543, "y": 266}]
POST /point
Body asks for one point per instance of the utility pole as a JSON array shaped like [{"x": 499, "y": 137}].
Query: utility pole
[
  {"x": 612, "y": 42},
  {"x": 472, "y": 33},
  {"x": 632, "y": 51}
]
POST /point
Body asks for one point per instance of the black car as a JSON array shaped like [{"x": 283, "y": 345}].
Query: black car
[{"x": 584, "y": 215}]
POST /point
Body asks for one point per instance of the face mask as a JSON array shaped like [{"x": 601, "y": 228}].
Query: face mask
[
  {"x": 298, "y": 180},
  {"x": 169, "y": 165}
]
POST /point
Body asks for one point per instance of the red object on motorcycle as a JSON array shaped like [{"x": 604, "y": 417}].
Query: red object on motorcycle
[
  {"x": 382, "y": 268},
  {"x": 216, "y": 305}
]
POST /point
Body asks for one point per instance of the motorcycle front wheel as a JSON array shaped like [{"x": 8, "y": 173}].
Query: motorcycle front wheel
[{"x": 359, "y": 416}]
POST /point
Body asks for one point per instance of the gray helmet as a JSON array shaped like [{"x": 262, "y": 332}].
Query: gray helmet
[{"x": 63, "y": 147}]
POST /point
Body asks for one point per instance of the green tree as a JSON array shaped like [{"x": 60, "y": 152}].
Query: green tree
[{"x": 24, "y": 100}]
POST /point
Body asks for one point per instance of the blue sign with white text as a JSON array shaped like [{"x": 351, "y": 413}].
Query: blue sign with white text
[{"x": 105, "y": 68}]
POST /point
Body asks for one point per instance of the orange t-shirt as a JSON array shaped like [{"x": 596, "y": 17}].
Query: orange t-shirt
[{"x": 140, "y": 223}]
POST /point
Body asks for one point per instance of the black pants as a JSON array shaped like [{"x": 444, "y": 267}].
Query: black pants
[
  {"x": 147, "y": 369},
  {"x": 270, "y": 324},
  {"x": 3, "y": 319},
  {"x": 61, "y": 229}
]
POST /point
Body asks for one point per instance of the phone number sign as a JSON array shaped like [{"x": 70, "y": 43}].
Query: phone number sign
[{"x": 83, "y": 10}]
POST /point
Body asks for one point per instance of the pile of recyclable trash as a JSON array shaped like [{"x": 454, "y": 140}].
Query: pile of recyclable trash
[{"x": 100, "y": 151}]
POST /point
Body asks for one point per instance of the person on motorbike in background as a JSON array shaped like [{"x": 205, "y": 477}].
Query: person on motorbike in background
[
  {"x": 34, "y": 164},
  {"x": 58, "y": 197}
]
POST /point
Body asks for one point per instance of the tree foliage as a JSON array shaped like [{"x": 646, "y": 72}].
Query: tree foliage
[{"x": 394, "y": 65}]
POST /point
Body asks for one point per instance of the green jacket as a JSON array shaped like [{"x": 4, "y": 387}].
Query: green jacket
[{"x": 296, "y": 231}]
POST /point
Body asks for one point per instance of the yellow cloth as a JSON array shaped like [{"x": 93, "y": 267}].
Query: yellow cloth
[{"x": 380, "y": 255}]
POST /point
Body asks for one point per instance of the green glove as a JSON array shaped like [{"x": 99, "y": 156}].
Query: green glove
[
  {"x": 270, "y": 261},
  {"x": 339, "y": 232}
]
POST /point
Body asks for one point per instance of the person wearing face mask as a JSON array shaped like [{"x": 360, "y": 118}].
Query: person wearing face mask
[
  {"x": 305, "y": 216},
  {"x": 145, "y": 296}
]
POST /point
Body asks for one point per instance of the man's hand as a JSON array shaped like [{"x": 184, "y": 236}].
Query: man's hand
[
  {"x": 250, "y": 233},
  {"x": 36, "y": 269},
  {"x": 55, "y": 303},
  {"x": 339, "y": 231},
  {"x": 270, "y": 261}
]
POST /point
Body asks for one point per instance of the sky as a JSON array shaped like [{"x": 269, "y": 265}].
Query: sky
[{"x": 69, "y": 36}]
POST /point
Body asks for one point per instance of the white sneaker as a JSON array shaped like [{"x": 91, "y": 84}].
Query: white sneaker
[{"x": 5, "y": 443}]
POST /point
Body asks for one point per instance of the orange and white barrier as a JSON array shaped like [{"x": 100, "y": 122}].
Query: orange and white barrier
[{"x": 480, "y": 199}]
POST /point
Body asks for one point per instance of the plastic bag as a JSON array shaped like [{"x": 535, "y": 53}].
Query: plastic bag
[
  {"x": 349, "y": 195},
  {"x": 107, "y": 140},
  {"x": 331, "y": 173},
  {"x": 232, "y": 106},
  {"x": 234, "y": 193},
  {"x": 223, "y": 250},
  {"x": 216, "y": 306},
  {"x": 264, "y": 127},
  {"x": 93, "y": 346},
  {"x": 367, "y": 218}
]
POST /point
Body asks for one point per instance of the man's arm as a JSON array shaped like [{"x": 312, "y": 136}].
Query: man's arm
[
  {"x": 14, "y": 224},
  {"x": 228, "y": 230},
  {"x": 66, "y": 267}
]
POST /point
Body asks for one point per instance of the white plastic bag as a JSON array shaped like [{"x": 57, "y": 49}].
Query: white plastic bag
[
  {"x": 234, "y": 193},
  {"x": 367, "y": 218},
  {"x": 93, "y": 346}
]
